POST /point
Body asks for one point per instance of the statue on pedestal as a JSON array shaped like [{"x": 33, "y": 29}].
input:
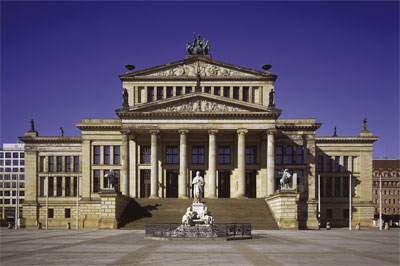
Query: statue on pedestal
[
  {"x": 284, "y": 181},
  {"x": 111, "y": 179},
  {"x": 198, "y": 183}
]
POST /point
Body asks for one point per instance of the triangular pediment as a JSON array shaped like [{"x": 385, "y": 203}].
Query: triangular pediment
[
  {"x": 199, "y": 102},
  {"x": 188, "y": 68}
]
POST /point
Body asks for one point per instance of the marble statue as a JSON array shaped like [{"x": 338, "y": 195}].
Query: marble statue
[
  {"x": 206, "y": 217},
  {"x": 125, "y": 104},
  {"x": 271, "y": 97},
  {"x": 32, "y": 125},
  {"x": 111, "y": 177},
  {"x": 187, "y": 218},
  {"x": 284, "y": 181},
  {"x": 62, "y": 132},
  {"x": 198, "y": 183},
  {"x": 364, "y": 125}
]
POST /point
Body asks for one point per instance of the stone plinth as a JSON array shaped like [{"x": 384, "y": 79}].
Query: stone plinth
[
  {"x": 112, "y": 205},
  {"x": 283, "y": 205}
]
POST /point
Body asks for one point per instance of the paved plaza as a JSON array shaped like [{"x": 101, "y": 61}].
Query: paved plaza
[{"x": 129, "y": 247}]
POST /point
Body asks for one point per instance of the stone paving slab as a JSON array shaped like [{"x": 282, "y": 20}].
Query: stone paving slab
[{"x": 129, "y": 247}]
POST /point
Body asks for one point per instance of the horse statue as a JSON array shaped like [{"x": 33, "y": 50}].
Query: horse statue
[
  {"x": 284, "y": 181},
  {"x": 111, "y": 179}
]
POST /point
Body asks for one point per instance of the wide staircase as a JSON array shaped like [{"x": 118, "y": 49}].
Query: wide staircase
[{"x": 139, "y": 212}]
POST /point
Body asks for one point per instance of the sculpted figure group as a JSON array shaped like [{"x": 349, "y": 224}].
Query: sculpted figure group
[{"x": 199, "y": 46}]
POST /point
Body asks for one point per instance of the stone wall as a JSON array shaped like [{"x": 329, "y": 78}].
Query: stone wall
[{"x": 283, "y": 205}]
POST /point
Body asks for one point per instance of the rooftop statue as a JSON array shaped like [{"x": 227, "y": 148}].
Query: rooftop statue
[
  {"x": 32, "y": 125},
  {"x": 199, "y": 46}
]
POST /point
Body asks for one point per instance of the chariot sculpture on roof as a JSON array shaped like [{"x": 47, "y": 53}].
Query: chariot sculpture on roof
[{"x": 198, "y": 46}]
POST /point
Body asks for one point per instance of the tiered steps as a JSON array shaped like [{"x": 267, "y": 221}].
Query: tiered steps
[{"x": 139, "y": 212}]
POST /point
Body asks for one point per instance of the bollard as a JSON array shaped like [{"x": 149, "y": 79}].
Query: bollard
[
  {"x": 386, "y": 226},
  {"x": 10, "y": 225},
  {"x": 39, "y": 227},
  {"x": 328, "y": 225},
  {"x": 68, "y": 225},
  {"x": 358, "y": 226}
]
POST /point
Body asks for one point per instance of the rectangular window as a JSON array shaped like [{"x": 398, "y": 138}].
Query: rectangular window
[
  {"x": 51, "y": 213},
  {"x": 1, "y": 177},
  {"x": 14, "y": 185},
  {"x": 96, "y": 181},
  {"x": 51, "y": 186},
  {"x": 328, "y": 164},
  {"x": 15, "y": 162},
  {"x": 59, "y": 186},
  {"x": 172, "y": 155},
  {"x": 250, "y": 154},
  {"x": 346, "y": 163},
  {"x": 236, "y": 93},
  {"x": 75, "y": 186},
  {"x": 217, "y": 91},
  {"x": 145, "y": 154},
  {"x": 224, "y": 155},
  {"x": 67, "y": 186},
  {"x": 169, "y": 92},
  {"x": 15, "y": 154},
  {"x": 14, "y": 177},
  {"x": 289, "y": 155},
  {"x": 8, "y": 162},
  {"x": 1, "y": 155},
  {"x": 76, "y": 163},
  {"x": 117, "y": 154},
  {"x": 299, "y": 155},
  {"x": 227, "y": 91},
  {"x": 178, "y": 91},
  {"x": 197, "y": 154},
  {"x": 320, "y": 163},
  {"x": 160, "y": 92},
  {"x": 22, "y": 169},
  {"x": 150, "y": 94},
  {"x": 337, "y": 166},
  {"x": 328, "y": 181},
  {"x": 21, "y": 184},
  {"x": 67, "y": 213},
  {"x": 21, "y": 177},
  {"x": 337, "y": 186},
  {"x": 188, "y": 90},
  {"x": 15, "y": 170},
  {"x": 41, "y": 186},
  {"x": 107, "y": 154},
  {"x": 328, "y": 213},
  {"x": 8, "y": 170},
  {"x": 207, "y": 89},
  {"x": 51, "y": 163},
  {"x": 1, "y": 162},
  {"x": 41, "y": 163},
  {"x": 59, "y": 163},
  {"x": 278, "y": 155},
  {"x": 21, "y": 155},
  {"x": 67, "y": 163},
  {"x": 8, "y": 154},
  {"x": 96, "y": 155},
  {"x": 21, "y": 162},
  {"x": 246, "y": 94}
]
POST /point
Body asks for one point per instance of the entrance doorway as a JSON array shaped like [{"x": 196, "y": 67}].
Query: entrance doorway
[
  {"x": 193, "y": 175},
  {"x": 250, "y": 183},
  {"x": 224, "y": 183},
  {"x": 172, "y": 184},
  {"x": 145, "y": 183}
]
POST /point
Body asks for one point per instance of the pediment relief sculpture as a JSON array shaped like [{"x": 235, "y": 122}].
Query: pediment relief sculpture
[
  {"x": 200, "y": 105},
  {"x": 206, "y": 70}
]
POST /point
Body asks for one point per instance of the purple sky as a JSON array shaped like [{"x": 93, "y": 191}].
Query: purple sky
[{"x": 337, "y": 62}]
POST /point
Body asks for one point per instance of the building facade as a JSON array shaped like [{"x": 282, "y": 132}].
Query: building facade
[
  {"x": 199, "y": 114},
  {"x": 389, "y": 170},
  {"x": 12, "y": 180}
]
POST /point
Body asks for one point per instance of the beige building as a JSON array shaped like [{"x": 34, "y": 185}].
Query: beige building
[{"x": 199, "y": 114}]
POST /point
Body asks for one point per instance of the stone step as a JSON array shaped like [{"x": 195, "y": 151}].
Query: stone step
[{"x": 142, "y": 211}]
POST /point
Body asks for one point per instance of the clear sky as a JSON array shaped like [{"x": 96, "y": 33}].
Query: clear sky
[{"x": 337, "y": 62}]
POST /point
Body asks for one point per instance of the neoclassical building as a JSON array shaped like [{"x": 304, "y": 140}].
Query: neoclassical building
[{"x": 200, "y": 114}]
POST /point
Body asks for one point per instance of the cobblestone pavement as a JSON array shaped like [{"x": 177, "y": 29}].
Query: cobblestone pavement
[{"x": 128, "y": 247}]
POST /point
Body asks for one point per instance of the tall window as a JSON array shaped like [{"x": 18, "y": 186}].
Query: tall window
[
  {"x": 320, "y": 163},
  {"x": 107, "y": 154},
  {"x": 145, "y": 154},
  {"x": 178, "y": 91},
  {"x": 96, "y": 181},
  {"x": 96, "y": 151},
  {"x": 278, "y": 155},
  {"x": 197, "y": 154},
  {"x": 346, "y": 163},
  {"x": 59, "y": 163},
  {"x": 51, "y": 186},
  {"x": 337, "y": 186},
  {"x": 59, "y": 186},
  {"x": 169, "y": 92},
  {"x": 67, "y": 163},
  {"x": 217, "y": 91},
  {"x": 289, "y": 155},
  {"x": 51, "y": 163},
  {"x": 246, "y": 94},
  {"x": 327, "y": 164},
  {"x": 150, "y": 94},
  {"x": 76, "y": 163},
  {"x": 160, "y": 92},
  {"x": 227, "y": 91},
  {"x": 328, "y": 181},
  {"x": 207, "y": 89},
  {"x": 41, "y": 163},
  {"x": 299, "y": 155},
  {"x": 337, "y": 166},
  {"x": 188, "y": 90},
  {"x": 224, "y": 155},
  {"x": 236, "y": 93},
  {"x": 15, "y": 154},
  {"x": 67, "y": 186},
  {"x": 117, "y": 154},
  {"x": 172, "y": 155},
  {"x": 250, "y": 157}
]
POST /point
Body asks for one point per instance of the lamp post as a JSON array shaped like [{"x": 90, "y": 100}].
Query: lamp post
[
  {"x": 77, "y": 202},
  {"x": 47, "y": 204},
  {"x": 319, "y": 202},
  {"x": 380, "y": 202},
  {"x": 350, "y": 196}
]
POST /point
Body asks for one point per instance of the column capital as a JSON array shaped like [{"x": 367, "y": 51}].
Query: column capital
[
  {"x": 183, "y": 131},
  {"x": 242, "y": 131},
  {"x": 154, "y": 132},
  {"x": 125, "y": 131},
  {"x": 271, "y": 131},
  {"x": 212, "y": 131}
]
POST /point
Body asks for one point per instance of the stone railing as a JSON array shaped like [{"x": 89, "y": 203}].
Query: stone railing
[{"x": 284, "y": 208}]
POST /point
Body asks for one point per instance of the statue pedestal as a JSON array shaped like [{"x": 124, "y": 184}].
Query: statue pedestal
[{"x": 283, "y": 205}]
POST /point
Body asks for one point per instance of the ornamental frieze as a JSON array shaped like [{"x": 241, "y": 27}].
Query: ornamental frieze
[{"x": 200, "y": 105}]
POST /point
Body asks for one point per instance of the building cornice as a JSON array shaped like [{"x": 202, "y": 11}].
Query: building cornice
[
  {"x": 346, "y": 139},
  {"x": 60, "y": 140}
]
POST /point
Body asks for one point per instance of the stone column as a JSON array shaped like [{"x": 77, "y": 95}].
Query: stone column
[
  {"x": 133, "y": 177},
  {"x": 241, "y": 163},
  {"x": 263, "y": 171},
  {"x": 212, "y": 163},
  {"x": 154, "y": 164},
  {"x": 125, "y": 163},
  {"x": 182, "y": 182},
  {"x": 270, "y": 162}
]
